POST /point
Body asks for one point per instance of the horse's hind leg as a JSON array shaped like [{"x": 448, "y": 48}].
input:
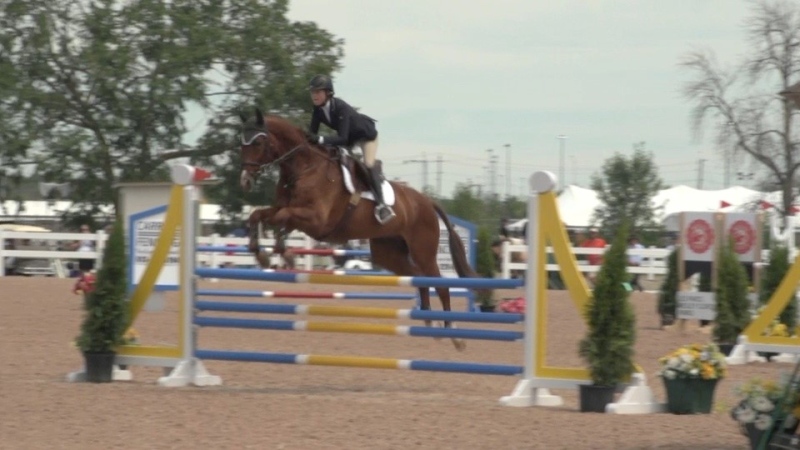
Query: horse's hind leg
[
  {"x": 422, "y": 251},
  {"x": 393, "y": 254}
]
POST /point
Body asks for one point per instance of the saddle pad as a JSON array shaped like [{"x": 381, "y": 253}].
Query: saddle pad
[{"x": 388, "y": 191}]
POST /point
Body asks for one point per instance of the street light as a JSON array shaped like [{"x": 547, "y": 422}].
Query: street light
[
  {"x": 508, "y": 170},
  {"x": 561, "y": 140}
]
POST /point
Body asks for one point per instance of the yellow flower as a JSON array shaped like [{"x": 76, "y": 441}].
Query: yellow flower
[
  {"x": 707, "y": 371},
  {"x": 131, "y": 336}
]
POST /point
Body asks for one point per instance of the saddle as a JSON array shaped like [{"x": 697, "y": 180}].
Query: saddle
[{"x": 359, "y": 173}]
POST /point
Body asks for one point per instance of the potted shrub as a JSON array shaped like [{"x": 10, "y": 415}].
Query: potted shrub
[
  {"x": 690, "y": 376},
  {"x": 766, "y": 407},
  {"x": 105, "y": 311},
  {"x": 667, "y": 297},
  {"x": 608, "y": 344},
  {"x": 485, "y": 263},
  {"x": 733, "y": 307}
]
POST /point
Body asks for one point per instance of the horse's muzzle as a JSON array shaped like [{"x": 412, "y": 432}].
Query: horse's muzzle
[{"x": 246, "y": 181}]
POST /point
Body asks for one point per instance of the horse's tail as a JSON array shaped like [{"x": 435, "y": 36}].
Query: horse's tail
[{"x": 457, "y": 252}]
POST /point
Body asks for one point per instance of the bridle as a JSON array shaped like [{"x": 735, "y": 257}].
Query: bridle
[{"x": 263, "y": 168}]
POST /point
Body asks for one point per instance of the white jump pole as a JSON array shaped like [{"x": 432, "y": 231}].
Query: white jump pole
[{"x": 189, "y": 370}]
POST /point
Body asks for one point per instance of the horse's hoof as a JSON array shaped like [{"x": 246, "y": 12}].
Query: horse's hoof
[
  {"x": 263, "y": 259},
  {"x": 460, "y": 344}
]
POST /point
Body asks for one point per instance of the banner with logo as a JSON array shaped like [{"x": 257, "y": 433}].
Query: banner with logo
[
  {"x": 744, "y": 230},
  {"x": 698, "y": 236}
]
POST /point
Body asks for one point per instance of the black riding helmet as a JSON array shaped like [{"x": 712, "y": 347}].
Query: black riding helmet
[{"x": 321, "y": 82}]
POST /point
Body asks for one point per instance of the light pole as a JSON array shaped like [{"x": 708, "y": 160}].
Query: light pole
[
  {"x": 561, "y": 140},
  {"x": 508, "y": 170}
]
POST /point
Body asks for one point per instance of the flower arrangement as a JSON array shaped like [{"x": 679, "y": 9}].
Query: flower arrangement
[
  {"x": 131, "y": 337},
  {"x": 85, "y": 284},
  {"x": 759, "y": 400},
  {"x": 776, "y": 328},
  {"x": 694, "y": 361},
  {"x": 513, "y": 305}
]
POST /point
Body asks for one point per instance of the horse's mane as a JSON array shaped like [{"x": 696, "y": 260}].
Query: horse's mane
[{"x": 283, "y": 128}]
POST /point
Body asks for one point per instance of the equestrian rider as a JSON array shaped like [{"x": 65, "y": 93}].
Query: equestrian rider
[{"x": 353, "y": 129}]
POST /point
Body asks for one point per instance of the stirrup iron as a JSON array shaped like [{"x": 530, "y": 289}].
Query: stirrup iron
[{"x": 388, "y": 217}]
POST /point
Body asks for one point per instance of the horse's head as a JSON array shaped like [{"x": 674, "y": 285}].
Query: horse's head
[{"x": 255, "y": 148}]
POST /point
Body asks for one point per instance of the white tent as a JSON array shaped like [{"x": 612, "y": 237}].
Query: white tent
[{"x": 576, "y": 204}]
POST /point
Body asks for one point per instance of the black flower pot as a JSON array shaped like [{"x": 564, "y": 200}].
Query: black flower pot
[
  {"x": 595, "y": 398},
  {"x": 768, "y": 355},
  {"x": 725, "y": 349},
  {"x": 487, "y": 308},
  {"x": 690, "y": 395},
  {"x": 99, "y": 366}
]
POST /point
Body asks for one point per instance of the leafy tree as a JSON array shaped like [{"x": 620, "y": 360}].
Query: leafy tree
[
  {"x": 742, "y": 104},
  {"x": 733, "y": 307},
  {"x": 465, "y": 204},
  {"x": 773, "y": 276},
  {"x": 608, "y": 345},
  {"x": 626, "y": 188},
  {"x": 95, "y": 93}
]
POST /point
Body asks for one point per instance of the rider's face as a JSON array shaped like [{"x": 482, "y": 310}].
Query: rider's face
[{"x": 319, "y": 97}]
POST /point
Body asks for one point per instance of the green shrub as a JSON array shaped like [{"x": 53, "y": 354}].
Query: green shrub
[
  {"x": 106, "y": 307},
  {"x": 733, "y": 308},
  {"x": 667, "y": 297},
  {"x": 772, "y": 276},
  {"x": 608, "y": 345}
]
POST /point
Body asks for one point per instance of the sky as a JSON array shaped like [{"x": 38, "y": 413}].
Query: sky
[{"x": 465, "y": 81}]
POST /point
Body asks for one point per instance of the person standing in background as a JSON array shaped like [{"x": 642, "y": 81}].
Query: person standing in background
[{"x": 85, "y": 245}]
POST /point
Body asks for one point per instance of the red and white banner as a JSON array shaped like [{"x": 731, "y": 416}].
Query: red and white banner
[
  {"x": 744, "y": 231},
  {"x": 698, "y": 236}
]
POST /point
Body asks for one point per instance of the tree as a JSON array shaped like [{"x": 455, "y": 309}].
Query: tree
[
  {"x": 773, "y": 276},
  {"x": 733, "y": 307},
  {"x": 743, "y": 104},
  {"x": 485, "y": 266},
  {"x": 465, "y": 204},
  {"x": 626, "y": 189},
  {"x": 668, "y": 294},
  {"x": 609, "y": 341},
  {"x": 95, "y": 93}
]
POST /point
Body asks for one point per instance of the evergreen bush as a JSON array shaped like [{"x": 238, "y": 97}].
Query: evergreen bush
[
  {"x": 772, "y": 276},
  {"x": 667, "y": 297},
  {"x": 485, "y": 265},
  {"x": 106, "y": 307},
  {"x": 608, "y": 345},
  {"x": 733, "y": 308}
]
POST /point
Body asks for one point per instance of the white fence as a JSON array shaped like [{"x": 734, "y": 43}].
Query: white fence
[
  {"x": 48, "y": 248},
  {"x": 653, "y": 260}
]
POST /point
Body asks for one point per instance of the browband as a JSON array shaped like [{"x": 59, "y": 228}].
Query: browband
[{"x": 253, "y": 138}]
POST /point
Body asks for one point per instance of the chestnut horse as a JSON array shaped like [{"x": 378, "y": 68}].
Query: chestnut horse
[{"x": 311, "y": 197}]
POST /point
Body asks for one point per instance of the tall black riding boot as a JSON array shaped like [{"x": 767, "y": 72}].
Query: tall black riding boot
[{"x": 383, "y": 213}]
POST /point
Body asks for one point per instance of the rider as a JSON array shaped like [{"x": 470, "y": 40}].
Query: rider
[{"x": 353, "y": 129}]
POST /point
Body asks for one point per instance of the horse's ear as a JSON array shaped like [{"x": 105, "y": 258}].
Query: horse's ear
[
  {"x": 259, "y": 117},
  {"x": 243, "y": 117}
]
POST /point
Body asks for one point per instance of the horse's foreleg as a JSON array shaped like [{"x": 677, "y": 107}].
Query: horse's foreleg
[{"x": 256, "y": 221}]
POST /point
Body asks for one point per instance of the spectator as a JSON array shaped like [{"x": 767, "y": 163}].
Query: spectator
[
  {"x": 594, "y": 241},
  {"x": 635, "y": 261},
  {"x": 85, "y": 245}
]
